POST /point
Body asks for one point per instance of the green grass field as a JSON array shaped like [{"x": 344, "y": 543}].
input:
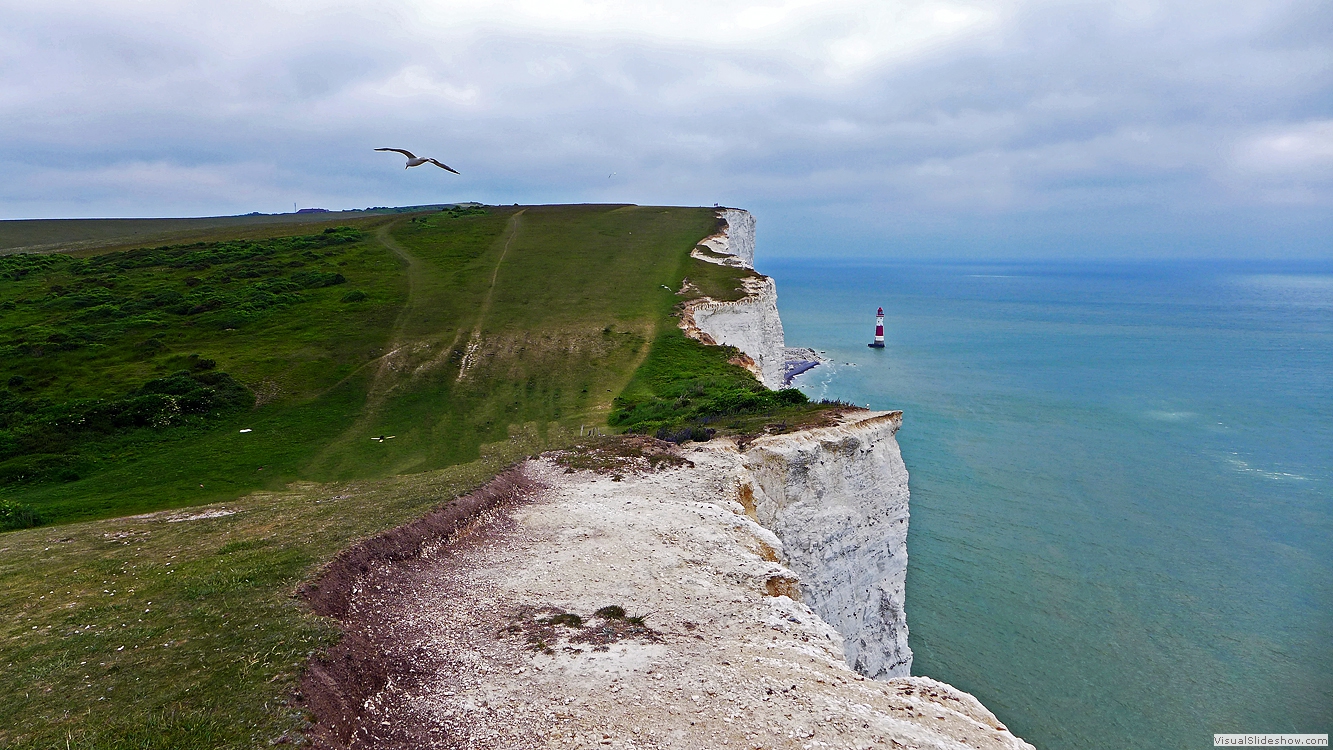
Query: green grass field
[
  {"x": 438, "y": 329},
  {"x": 127, "y": 377},
  {"x": 168, "y": 633}
]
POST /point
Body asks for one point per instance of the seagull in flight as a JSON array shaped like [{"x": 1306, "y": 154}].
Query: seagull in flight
[{"x": 415, "y": 161}]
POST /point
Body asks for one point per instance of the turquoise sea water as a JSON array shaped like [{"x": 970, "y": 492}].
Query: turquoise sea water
[{"x": 1122, "y": 484}]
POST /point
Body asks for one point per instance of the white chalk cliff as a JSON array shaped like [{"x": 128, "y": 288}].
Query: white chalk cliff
[
  {"x": 770, "y": 572},
  {"x": 751, "y": 323},
  {"x": 738, "y": 560},
  {"x": 837, "y": 499},
  {"x": 737, "y": 240}
]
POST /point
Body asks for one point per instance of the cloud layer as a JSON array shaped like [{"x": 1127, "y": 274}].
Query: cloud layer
[{"x": 957, "y": 128}]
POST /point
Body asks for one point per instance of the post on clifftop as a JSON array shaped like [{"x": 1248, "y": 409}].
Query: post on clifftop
[{"x": 878, "y": 343}]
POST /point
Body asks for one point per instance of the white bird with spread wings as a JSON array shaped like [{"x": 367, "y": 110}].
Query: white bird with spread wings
[{"x": 415, "y": 161}]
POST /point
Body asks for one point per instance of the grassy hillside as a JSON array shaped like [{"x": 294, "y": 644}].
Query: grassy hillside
[
  {"x": 441, "y": 329},
  {"x": 126, "y": 377},
  {"x": 544, "y": 325}
]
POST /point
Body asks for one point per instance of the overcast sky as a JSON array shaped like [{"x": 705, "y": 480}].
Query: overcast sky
[{"x": 1000, "y": 128}]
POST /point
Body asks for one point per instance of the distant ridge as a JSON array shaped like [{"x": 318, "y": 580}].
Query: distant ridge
[{"x": 74, "y": 235}]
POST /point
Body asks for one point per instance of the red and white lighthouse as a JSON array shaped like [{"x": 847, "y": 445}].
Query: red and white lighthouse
[{"x": 879, "y": 330}]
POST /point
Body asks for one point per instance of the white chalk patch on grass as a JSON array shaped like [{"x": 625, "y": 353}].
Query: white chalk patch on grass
[{"x": 219, "y": 513}]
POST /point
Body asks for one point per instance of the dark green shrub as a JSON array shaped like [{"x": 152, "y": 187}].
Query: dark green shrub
[
  {"x": 611, "y": 612},
  {"x": 17, "y": 516},
  {"x": 567, "y": 619},
  {"x": 683, "y": 386},
  {"x": 317, "y": 279},
  {"x": 38, "y": 439},
  {"x": 150, "y": 346}
]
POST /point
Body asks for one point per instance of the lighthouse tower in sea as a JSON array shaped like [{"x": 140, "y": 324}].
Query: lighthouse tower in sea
[{"x": 879, "y": 331}]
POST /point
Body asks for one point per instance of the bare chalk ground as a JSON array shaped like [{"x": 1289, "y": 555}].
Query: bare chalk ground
[{"x": 494, "y": 640}]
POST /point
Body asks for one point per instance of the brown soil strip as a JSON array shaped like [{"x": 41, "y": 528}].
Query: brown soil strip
[{"x": 337, "y": 684}]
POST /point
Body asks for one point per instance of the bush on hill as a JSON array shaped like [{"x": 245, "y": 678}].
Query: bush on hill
[
  {"x": 684, "y": 388},
  {"x": 40, "y": 440},
  {"x": 17, "y": 516},
  {"x": 58, "y": 312},
  {"x": 454, "y": 212}
]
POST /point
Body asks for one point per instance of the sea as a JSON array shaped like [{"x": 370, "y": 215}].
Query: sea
[{"x": 1121, "y": 476}]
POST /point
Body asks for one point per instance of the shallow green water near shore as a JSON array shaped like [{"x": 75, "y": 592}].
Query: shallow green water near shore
[{"x": 1122, "y": 485}]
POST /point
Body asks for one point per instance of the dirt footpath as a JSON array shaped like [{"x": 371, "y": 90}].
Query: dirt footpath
[{"x": 626, "y": 609}]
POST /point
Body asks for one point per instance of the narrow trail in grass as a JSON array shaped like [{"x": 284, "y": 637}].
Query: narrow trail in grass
[
  {"x": 396, "y": 342},
  {"x": 390, "y": 362},
  {"x": 411, "y": 350},
  {"x": 379, "y": 389},
  {"x": 474, "y": 341}
]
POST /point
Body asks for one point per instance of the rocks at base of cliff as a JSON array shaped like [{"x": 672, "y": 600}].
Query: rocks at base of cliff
[{"x": 797, "y": 360}]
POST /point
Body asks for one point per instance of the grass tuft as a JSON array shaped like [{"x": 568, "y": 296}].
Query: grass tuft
[{"x": 611, "y": 612}]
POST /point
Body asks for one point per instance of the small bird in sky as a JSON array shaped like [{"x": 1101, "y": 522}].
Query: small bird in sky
[
  {"x": 613, "y": 174},
  {"x": 415, "y": 161}
]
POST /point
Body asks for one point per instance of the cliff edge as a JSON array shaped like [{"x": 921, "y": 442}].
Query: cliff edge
[
  {"x": 751, "y": 323},
  {"x": 647, "y": 596},
  {"x": 837, "y": 499}
]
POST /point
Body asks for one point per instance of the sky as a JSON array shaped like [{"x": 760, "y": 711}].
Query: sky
[{"x": 998, "y": 129}]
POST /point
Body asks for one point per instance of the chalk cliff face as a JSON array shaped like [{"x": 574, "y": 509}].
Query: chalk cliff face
[
  {"x": 837, "y": 499},
  {"x": 499, "y": 636},
  {"x": 736, "y": 240},
  {"x": 751, "y": 323}
]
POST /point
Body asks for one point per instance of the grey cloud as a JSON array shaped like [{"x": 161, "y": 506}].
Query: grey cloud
[{"x": 1028, "y": 132}]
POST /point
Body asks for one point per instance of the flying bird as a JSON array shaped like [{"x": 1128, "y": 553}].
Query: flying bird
[{"x": 415, "y": 161}]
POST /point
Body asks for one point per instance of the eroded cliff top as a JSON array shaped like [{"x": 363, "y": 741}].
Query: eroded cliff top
[{"x": 630, "y": 604}]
